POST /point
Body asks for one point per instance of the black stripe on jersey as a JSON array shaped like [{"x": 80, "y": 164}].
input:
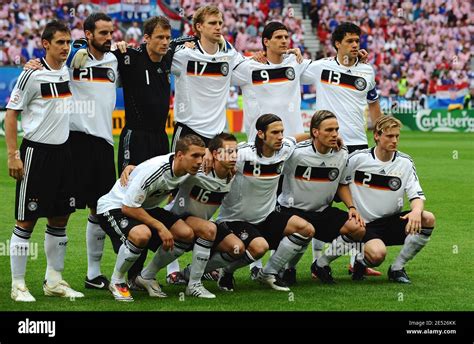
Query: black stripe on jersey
[
  {"x": 55, "y": 89},
  {"x": 254, "y": 169},
  {"x": 157, "y": 174},
  {"x": 94, "y": 74},
  {"x": 316, "y": 174},
  {"x": 24, "y": 79},
  {"x": 206, "y": 196},
  {"x": 273, "y": 75},
  {"x": 199, "y": 68},
  {"x": 344, "y": 80},
  {"x": 377, "y": 181}
]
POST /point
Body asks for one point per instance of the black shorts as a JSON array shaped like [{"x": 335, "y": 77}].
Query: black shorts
[
  {"x": 221, "y": 232},
  {"x": 391, "y": 230},
  {"x": 46, "y": 189},
  {"x": 181, "y": 130},
  {"x": 327, "y": 223},
  {"x": 94, "y": 168},
  {"x": 271, "y": 229},
  {"x": 117, "y": 226},
  {"x": 137, "y": 146}
]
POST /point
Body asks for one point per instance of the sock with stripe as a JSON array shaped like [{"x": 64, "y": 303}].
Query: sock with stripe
[
  {"x": 413, "y": 244},
  {"x": 172, "y": 267},
  {"x": 288, "y": 248},
  {"x": 19, "y": 247},
  {"x": 218, "y": 260},
  {"x": 127, "y": 255},
  {"x": 246, "y": 259},
  {"x": 338, "y": 247},
  {"x": 318, "y": 247},
  {"x": 95, "y": 239},
  {"x": 201, "y": 253},
  {"x": 163, "y": 258},
  {"x": 55, "y": 241}
]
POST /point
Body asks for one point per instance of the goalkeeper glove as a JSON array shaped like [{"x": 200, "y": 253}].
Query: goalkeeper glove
[{"x": 77, "y": 57}]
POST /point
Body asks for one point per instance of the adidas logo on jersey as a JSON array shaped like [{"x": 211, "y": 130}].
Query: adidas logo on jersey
[
  {"x": 322, "y": 164},
  {"x": 382, "y": 171}
]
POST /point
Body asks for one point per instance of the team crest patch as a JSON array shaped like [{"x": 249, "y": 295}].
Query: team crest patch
[
  {"x": 333, "y": 174},
  {"x": 290, "y": 73},
  {"x": 244, "y": 235},
  {"x": 225, "y": 69},
  {"x": 111, "y": 75},
  {"x": 360, "y": 84},
  {"x": 32, "y": 206},
  {"x": 279, "y": 168},
  {"x": 394, "y": 183},
  {"x": 123, "y": 223}
]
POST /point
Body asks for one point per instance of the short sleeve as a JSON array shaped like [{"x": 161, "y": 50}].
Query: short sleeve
[
  {"x": 23, "y": 91},
  {"x": 312, "y": 74},
  {"x": 241, "y": 74},
  {"x": 413, "y": 187}
]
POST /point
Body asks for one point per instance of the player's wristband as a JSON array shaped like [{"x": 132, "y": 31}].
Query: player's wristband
[{"x": 351, "y": 207}]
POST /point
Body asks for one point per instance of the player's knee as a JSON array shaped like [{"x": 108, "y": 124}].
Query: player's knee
[
  {"x": 258, "y": 247},
  {"x": 428, "y": 219},
  {"x": 208, "y": 231},
  {"x": 28, "y": 225},
  {"x": 184, "y": 233},
  {"x": 59, "y": 221},
  {"x": 300, "y": 226},
  {"x": 307, "y": 230},
  {"x": 140, "y": 235},
  {"x": 376, "y": 255},
  {"x": 353, "y": 230}
]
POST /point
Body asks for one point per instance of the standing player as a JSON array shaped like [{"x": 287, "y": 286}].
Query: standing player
[
  {"x": 381, "y": 178},
  {"x": 94, "y": 75},
  {"x": 43, "y": 165},
  {"x": 131, "y": 213},
  {"x": 345, "y": 86},
  {"x": 198, "y": 198},
  {"x": 248, "y": 209},
  {"x": 317, "y": 168},
  {"x": 203, "y": 78}
]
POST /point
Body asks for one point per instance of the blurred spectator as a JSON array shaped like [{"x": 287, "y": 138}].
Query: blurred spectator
[{"x": 232, "y": 100}]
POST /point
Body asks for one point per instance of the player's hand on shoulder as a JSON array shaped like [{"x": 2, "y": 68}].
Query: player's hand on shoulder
[
  {"x": 363, "y": 55},
  {"x": 260, "y": 57},
  {"x": 126, "y": 174},
  {"x": 339, "y": 143},
  {"x": 297, "y": 53},
  {"x": 190, "y": 45},
  {"x": 120, "y": 46},
  {"x": 207, "y": 161},
  {"x": 34, "y": 64},
  {"x": 414, "y": 222},
  {"x": 15, "y": 166}
]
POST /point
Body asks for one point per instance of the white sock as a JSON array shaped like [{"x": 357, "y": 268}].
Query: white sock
[
  {"x": 218, "y": 260},
  {"x": 288, "y": 248},
  {"x": 256, "y": 263},
  {"x": 246, "y": 259},
  {"x": 19, "y": 246},
  {"x": 163, "y": 258},
  {"x": 172, "y": 267},
  {"x": 338, "y": 247},
  {"x": 295, "y": 260},
  {"x": 95, "y": 239},
  {"x": 318, "y": 247},
  {"x": 126, "y": 257},
  {"x": 55, "y": 241},
  {"x": 413, "y": 244},
  {"x": 201, "y": 253}
]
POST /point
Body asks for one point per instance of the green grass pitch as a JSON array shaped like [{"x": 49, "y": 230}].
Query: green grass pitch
[{"x": 442, "y": 274}]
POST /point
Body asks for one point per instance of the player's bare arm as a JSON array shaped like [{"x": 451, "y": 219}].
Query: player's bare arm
[
  {"x": 414, "y": 217},
  {"x": 345, "y": 195},
  {"x": 126, "y": 174},
  {"x": 141, "y": 215},
  {"x": 34, "y": 64},
  {"x": 15, "y": 165},
  {"x": 375, "y": 111}
]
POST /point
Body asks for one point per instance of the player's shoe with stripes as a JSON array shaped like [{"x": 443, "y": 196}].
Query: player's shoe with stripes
[
  {"x": 289, "y": 276},
  {"x": 399, "y": 276},
  {"x": 274, "y": 281},
  {"x": 99, "y": 282},
  {"x": 226, "y": 281},
  {"x": 120, "y": 292},
  {"x": 61, "y": 289},
  {"x": 368, "y": 271},
  {"x": 211, "y": 276},
  {"x": 198, "y": 290},
  {"x": 359, "y": 271},
  {"x": 176, "y": 278},
  {"x": 20, "y": 293},
  {"x": 151, "y": 286},
  {"x": 324, "y": 274}
]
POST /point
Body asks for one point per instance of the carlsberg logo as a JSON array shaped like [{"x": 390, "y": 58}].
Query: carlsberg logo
[
  {"x": 427, "y": 120},
  {"x": 37, "y": 327}
]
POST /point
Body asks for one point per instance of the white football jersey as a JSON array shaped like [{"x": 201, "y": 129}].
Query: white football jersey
[
  {"x": 149, "y": 184},
  {"x": 252, "y": 196},
  {"x": 202, "y": 87},
  {"x": 271, "y": 88},
  {"x": 311, "y": 178},
  {"x": 200, "y": 195},
  {"x": 378, "y": 187},
  {"x": 345, "y": 91},
  {"x": 43, "y": 97},
  {"x": 94, "y": 93}
]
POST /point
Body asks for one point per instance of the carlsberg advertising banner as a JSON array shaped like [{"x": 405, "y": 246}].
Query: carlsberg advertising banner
[{"x": 438, "y": 120}]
